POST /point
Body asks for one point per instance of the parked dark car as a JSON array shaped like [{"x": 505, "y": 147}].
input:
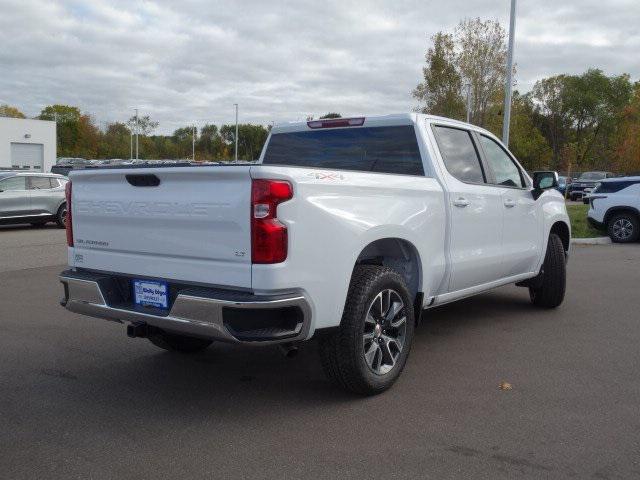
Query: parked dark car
[{"x": 587, "y": 180}]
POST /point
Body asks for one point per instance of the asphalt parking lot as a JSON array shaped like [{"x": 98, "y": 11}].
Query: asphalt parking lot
[{"x": 78, "y": 399}]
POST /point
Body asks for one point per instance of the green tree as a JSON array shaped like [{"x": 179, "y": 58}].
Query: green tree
[
  {"x": 115, "y": 141},
  {"x": 251, "y": 139},
  {"x": 68, "y": 127},
  {"x": 330, "y": 115},
  {"x": 9, "y": 111},
  {"x": 551, "y": 113},
  {"x": 594, "y": 103},
  {"x": 440, "y": 90}
]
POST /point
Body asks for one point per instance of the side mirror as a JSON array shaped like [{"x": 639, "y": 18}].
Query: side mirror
[{"x": 543, "y": 181}]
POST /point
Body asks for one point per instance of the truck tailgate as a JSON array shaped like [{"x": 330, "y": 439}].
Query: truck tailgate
[{"x": 192, "y": 226}]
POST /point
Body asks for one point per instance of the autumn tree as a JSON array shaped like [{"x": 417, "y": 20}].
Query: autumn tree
[
  {"x": 481, "y": 61},
  {"x": 9, "y": 111},
  {"x": 77, "y": 135},
  {"x": 627, "y": 138},
  {"x": 474, "y": 55}
]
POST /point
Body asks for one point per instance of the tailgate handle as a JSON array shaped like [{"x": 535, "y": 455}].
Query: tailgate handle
[{"x": 147, "y": 180}]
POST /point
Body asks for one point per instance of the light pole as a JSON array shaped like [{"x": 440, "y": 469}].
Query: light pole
[
  {"x": 468, "y": 85},
  {"x": 507, "y": 85},
  {"x": 137, "y": 128},
  {"x": 236, "y": 155}
]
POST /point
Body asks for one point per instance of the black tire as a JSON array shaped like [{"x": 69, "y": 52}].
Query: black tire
[
  {"x": 177, "y": 343},
  {"x": 343, "y": 351},
  {"x": 549, "y": 293},
  {"x": 623, "y": 227},
  {"x": 61, "y": 216}
]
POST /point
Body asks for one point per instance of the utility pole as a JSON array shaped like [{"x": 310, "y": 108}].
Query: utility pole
[
  {"x": 137, "y": 128},
  {"x": 130, "y": 143},
  {"x": 468, "y": 85},
  {"x": 236, "y": 156},
  {"x": 507, "y": 85},
  {"x": 193, "y": 142}
]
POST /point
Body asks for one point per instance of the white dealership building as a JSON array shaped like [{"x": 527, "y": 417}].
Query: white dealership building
[{"x": 27, "y": 144}]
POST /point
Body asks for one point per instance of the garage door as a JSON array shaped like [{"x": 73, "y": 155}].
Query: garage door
[{"x": 27, "y": 155}]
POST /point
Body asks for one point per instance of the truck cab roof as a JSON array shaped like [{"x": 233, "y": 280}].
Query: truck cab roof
[{"x": 370, "y": 121}]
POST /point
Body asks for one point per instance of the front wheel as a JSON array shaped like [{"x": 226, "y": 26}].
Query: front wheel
[
  {"x": 177, "y": 343},
  {"x": 370, "y": 348},
  {"x": 549, "y": 292}
]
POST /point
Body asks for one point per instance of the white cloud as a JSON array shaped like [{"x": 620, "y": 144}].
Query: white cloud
[{"x": 191, "y": 60}]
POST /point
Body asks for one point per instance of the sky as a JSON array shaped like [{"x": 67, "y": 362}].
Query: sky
[{"x": 187, "y": 62}]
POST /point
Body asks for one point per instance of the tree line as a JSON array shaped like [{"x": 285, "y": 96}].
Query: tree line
[
  {"x": 79, "y": 136},
  {"x": 580, "y": 122}
]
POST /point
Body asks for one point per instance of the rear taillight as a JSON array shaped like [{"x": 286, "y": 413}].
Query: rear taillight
[
  {"x": 268, "y": 235},
  {"x": 67, "y": 225}
]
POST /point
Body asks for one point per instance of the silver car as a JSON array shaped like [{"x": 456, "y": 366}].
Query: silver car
[{"x": 35, "y": 198}]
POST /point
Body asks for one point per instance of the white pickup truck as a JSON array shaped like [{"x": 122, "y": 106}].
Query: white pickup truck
[{"x": 345, "y": 229}]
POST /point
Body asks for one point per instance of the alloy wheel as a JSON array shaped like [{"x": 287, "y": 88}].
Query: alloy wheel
[
  {"x": 385, "y": 330},
  {"x": 622, "y": 229}
]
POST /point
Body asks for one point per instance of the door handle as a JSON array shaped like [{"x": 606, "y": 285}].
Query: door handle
[
  {"x": 461, "y": 202},
  {"x": 509, "y": 203}
]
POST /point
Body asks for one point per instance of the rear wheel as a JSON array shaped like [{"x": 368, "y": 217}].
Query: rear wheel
[
  {"x": 177, "y": 343},
  {"x": 549, "y": 291},
  {"x": 370, "y": 348},
  {"x": 623, "y": 227},
  {"x": 61, "y": 216}
]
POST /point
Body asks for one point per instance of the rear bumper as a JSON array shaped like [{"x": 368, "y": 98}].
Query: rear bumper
[{"x": 231, "y": 316}]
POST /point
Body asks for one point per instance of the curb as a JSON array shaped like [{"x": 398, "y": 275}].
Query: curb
[{"x": 591, "y": 241}]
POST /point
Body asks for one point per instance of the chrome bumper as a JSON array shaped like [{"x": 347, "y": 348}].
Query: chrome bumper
[{"x": 194, "y": 312}]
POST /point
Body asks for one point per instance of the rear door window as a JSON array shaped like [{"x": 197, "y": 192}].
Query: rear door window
[
  {"x": 368, "y": 149},
  {"x": 13, "y": 183},
  {"x": 39, "y": 183},
  {"x": 459, "y": 154}
]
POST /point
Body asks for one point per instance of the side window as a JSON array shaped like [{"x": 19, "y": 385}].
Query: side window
[
  {"x": 505, "y": 171},
  {"x": 13, "y": 183},
  {"x": 39, "y": 183},
  {"x": 459, "y": 154},
  {"x": 54, "y": 182}
]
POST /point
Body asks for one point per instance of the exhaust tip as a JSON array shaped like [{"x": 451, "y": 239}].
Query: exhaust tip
[{"x": 289, "y": 350}]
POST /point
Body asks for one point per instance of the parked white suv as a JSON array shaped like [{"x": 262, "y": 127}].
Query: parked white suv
[
  {"x": 346, "y": 229},
  {"x": 614, "y": 206}
]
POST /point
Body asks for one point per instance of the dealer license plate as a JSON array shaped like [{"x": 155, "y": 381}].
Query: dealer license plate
[{"x": 150, "y": 293}]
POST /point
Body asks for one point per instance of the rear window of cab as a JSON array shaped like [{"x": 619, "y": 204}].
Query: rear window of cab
[{"x": 368, "y": 149}]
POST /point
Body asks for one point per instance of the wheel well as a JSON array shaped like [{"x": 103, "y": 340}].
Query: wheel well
[
  {"x": 562, "y": 230},
  {"x": 614, "y": 210},
  {"x": 397, "y": 254}
]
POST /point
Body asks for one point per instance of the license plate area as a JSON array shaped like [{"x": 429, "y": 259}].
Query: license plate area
[{"x": 151, "y": 293}]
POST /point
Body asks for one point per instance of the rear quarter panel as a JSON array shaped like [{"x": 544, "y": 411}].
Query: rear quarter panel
[{"x": 334, "y": 215}]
